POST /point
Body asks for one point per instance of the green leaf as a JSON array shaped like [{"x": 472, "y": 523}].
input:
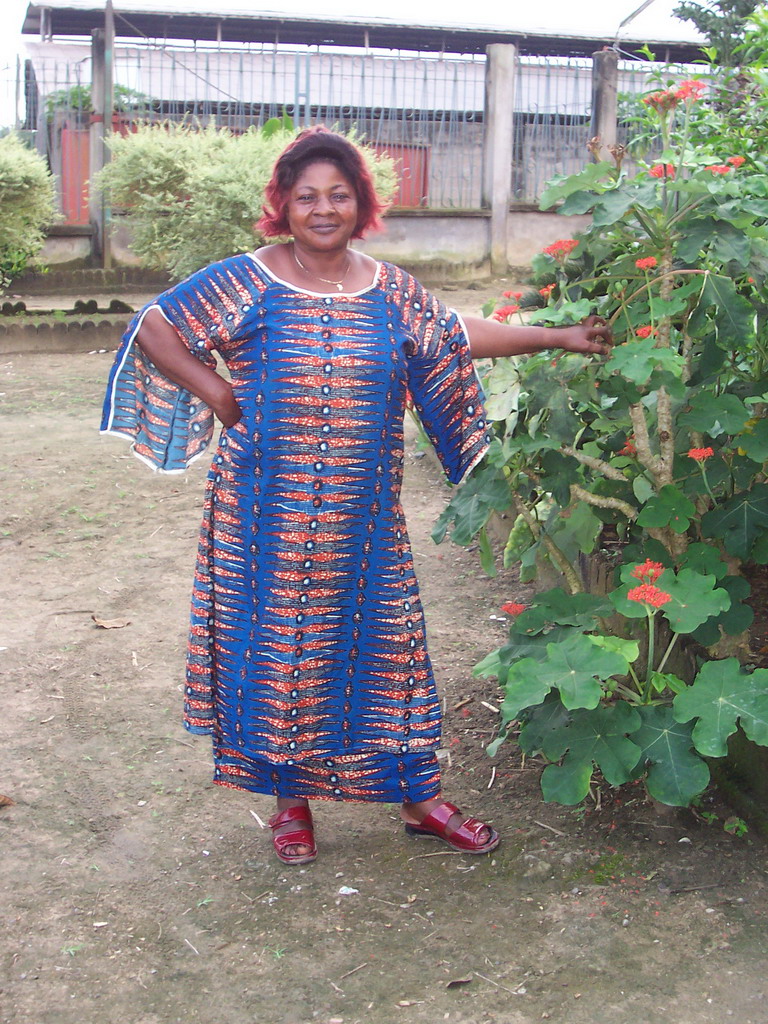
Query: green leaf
[
  {"x": 593, "y": 175},
  {"x": 676, "y": 774},
  {"x": 523, "y": 689},
  {"x": 662, "y": 681},
  {"x": 543, "y": 722},
  {"x": 740, "y": 521},
  {"x": 669, "y": 507},
  {"x": 723, "y": 696},
  {"x": 698, "y": 235},
  {"x": 734, "y": 314},
  {"x": 596, "y": 737},
  {"x": 556, "y": 606},
  {"x": 614, "y": 205},
  {"x": 715, "y": 414},
  {"x": 576, "y": 669},
  {"x": 730, "y": 244},
  {"x": 487, "y": 560},
  {"x": 629, "y": 649},
  {"x": 755, "y": 443},
  {"x": 695, "y": 598},
  {"x": 636, "y": 360},
  {"x": 734, "y": 620},
  {"x": 705, "y": 559}
]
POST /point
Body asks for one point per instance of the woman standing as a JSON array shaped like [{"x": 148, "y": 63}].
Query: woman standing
[{"x": 307, "y": 659}]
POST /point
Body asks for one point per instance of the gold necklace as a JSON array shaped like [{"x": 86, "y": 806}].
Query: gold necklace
[{"x": 325, "y": 280}]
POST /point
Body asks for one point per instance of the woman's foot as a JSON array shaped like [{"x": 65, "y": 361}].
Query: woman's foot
[
  {"x": 292, "y": 832},
  {"x": 439, "y": 819}
]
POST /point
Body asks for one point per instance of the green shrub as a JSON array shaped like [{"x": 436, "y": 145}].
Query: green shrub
[
  {"x": 193, "y": 196},
  {"x": 27, "y": 206}
]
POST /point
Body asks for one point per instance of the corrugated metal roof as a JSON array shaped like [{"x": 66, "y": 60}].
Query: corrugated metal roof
[{"x": 179, "y": 20}]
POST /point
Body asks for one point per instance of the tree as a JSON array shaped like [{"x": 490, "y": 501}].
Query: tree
[
  {"x": 723, "y": 22},
  {"x": 27, "y": 206}
]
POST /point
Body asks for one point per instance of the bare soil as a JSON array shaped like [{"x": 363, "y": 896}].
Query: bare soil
[{"x": 135, "y": 891}]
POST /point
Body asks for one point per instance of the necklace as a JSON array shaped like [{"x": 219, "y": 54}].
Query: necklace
[{"x": 325, "y": 280}]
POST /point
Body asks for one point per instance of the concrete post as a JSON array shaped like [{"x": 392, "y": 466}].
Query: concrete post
[
  {"x": 102, "y": 102},
  {"x": 605, "y": 81},
  {"x": 497, "y": 157}
]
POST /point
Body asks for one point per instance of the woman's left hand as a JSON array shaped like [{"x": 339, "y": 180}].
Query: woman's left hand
[{"x": 591, "y": 337}]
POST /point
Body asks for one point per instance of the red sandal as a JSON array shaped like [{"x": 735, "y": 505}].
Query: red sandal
[
  {"x": 465, "y": 838},
  {"x": 303, "y": 835}
]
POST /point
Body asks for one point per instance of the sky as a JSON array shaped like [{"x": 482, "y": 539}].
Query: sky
[{"x": 597, "y": 17}]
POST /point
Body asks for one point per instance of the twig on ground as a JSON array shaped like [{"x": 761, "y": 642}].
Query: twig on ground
[
  {"x": 353, "y": 971},
  {"x": 555, "y": 830}
]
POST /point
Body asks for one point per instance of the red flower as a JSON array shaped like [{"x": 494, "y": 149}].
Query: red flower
[
  {"x": 503, "y": 312},
  {"x": 547, "y": 290},
  {"x": 750, "y": 280},
  {"x": 513, "y": 609},
  {"x": 561, "y": 249},
  {"x": 662, "y": 101},
  {"x": 629, "y": 449},
  {"x": 662, "y": 171},
  {"x": 645, "y": 332},
  {"x": 512, "y": 295},
  {"x": 648, "y": 571},
  {"x": 692, "y": 89},
  {"x": 701, "y": 454},
  {"x": 736, "y": 161},
  {"x": 718, "y": 168},
  {"x": 646, "y": 593},
  {"x": 646, "y": 263}
]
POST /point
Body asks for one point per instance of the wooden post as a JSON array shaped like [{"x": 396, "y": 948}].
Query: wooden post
[
  {"x": 102, "y": 102},
  {"x": 497, "y": 156},
  {"x": 605, "y": 81}
]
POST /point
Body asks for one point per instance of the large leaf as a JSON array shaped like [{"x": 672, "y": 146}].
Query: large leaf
[
  {"x": 698, "y": 235},
  {"x": 557, "y": 606},
  {"x": 723, "y": 696},
  {"x": 734, "y": 314},
  {"x": 695, "y": 598},
  {"x": 705, "y": 559},
  {"x": 576, "y": 669},
  {"x": 669, "y": 507},
  {"x": 542, "y": 722},
  {"x": 676, "y": 773},
  {"x": 733, "y": 620},
  {"x": 636, "y": 360},
  {"x": 740, "y": 521},
  {"x": 615, "y": 204},
  {"x": 593, "y": 176},
  {"x": 715, "y": 414},
  {"x": 523, "y": 689},
  {"x": 755, "y": 443},
  {"x": 592, "y": 737},
  {"x": 730, "y": 244}
]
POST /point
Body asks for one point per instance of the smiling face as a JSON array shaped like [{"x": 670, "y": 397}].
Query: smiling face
[{"x": 322, "y": 209}]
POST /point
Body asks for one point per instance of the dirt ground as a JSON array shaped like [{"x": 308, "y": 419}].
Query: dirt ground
[{"x": 135, "y": 891}]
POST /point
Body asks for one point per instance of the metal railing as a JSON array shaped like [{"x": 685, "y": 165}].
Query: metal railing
[{"x": 426, "y": 110}]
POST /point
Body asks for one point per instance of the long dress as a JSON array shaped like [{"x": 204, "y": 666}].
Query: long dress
[{"x": 307, "y": 657}]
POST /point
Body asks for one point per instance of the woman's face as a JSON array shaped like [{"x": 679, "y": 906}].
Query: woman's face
[{"x": 322, "y": 208}]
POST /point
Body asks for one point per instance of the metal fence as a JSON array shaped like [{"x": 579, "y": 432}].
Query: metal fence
[{"x": 426, "y": 110}]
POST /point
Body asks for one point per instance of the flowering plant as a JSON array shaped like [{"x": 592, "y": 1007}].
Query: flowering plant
[{"x": 639, "y": 484}]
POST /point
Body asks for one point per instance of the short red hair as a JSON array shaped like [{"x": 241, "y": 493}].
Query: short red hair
[{"x": 318, "y": 145}]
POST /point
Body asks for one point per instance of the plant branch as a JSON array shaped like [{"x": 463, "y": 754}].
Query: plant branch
[
  {"x": 603, "y": 501},
  {"x": 643, "y": 441},
  {"x": 596, "y": 464},
  {"x": 553, "y": 550}
]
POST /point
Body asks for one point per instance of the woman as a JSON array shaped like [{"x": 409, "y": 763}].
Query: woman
[{"x": 307, "y": 658}]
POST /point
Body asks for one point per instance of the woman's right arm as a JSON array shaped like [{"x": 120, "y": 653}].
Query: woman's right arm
[{"x": 164, "y": 346}]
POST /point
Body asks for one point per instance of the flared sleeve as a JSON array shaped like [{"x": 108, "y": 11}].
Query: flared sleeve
[
  {"x": 167, "y": 425},
  {"x": 441, "y": 378}
]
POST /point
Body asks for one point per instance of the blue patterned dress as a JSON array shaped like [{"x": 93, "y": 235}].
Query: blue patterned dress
[{"x": 307, "y": 658}]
